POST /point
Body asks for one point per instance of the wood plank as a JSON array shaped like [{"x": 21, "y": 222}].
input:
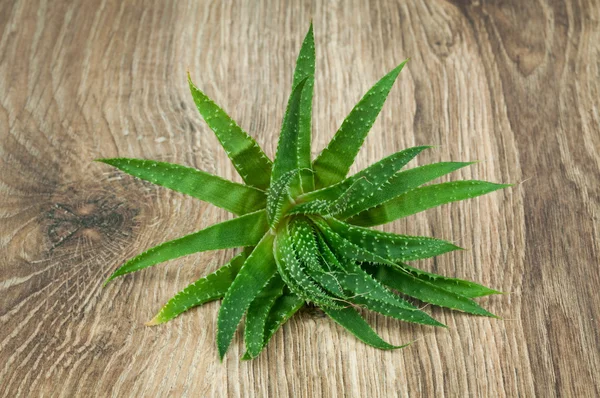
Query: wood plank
[{"x": 514, "y": 84}]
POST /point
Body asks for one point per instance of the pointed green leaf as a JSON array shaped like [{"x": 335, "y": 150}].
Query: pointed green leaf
[
  {"x": 258, "y": 312},
  {"x": 283, "y": 309},
  {"x": 356, "y": 279},
  {"x": 351, "y": 320},
  {"x": 346, "y": 249},
  {"x": 305, "y": 67},
  {"x": 211, "y": 287},
  {"x": 403, "y": 182},
  {"x": 279, "y": 199},
  {"x": 254, "y": 275},
  {"x": 373, "y": 295},
  {"x": 391, "y": 246},
  {"x": 308, "y": 253},
  {"x": 425, "y": 291},
  {"x": 286, "y": 159},
  {"x": 343, "y": 197},
  {"x": 245, "y": 154},
  {"x": 291, "y": 270},
  {"x": 424, "y": 198},
  {"x": 329, "y": 257},
  {"x": 333, "y": 163},
  {"x": 246, "y": 230},
  {"x": 412, "y": 316},
  {"x": 362, "y": 284},
  {"x": 304, "y": 242},
  {"x": 377, "y": 174},
  {"x": 459, "y": 286},
  {"x": 236, "y": 198}
]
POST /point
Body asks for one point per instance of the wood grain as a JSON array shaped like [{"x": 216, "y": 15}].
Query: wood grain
[{"x": 514, "y": 84}]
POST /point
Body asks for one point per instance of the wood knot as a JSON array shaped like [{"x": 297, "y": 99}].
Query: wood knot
[{"x": 91, "y": 215}]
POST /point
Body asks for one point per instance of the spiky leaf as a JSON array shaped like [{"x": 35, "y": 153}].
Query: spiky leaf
[
  {"x": 258, "y": 312},
  {"x": 211, "y": 287},
  {"x": 335, "y": 160},
  {"x": 377, "y": 174},
  {"x": 245, "y": 154},
  {"x": 280, "y": 197},
  {"x": 282, "y": 310},
  {"x": 291, "y": 269},
  {"x": 391, "y": 246},
  {"x": 403, "y": 182},
  {"x": 287, "y": 157},
  {"x": 305, "y": 67},
  {"x": 424, "y": 198},
  {"x": 257, "y": 271},
  {"x": 246, "y": 230},
  {"x": 459, "y": 286},
  {"x": 236, "y": 198},
  {"x": 424, "y": 291},
  {"x": 351, "y": 320}
]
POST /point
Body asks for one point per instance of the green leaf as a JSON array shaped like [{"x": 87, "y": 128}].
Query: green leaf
[
  {"x": 376, "y": 174},
  {"x": 345, "y": 248},
  {"x": 329, "y": 257},
  {"x": 424, "y": 198},
  {"x": 370, "y": 293},
  {"x": 258, "y": 312},
  {"x": 412, "y": 316},
  {"x": 245, "y": 154},
  {"x": 246, "y": 230},
  {"x": 341, "y": 198},
  {"x": 335, "y": 160},
  {"x": 308, "y": 252},
  {"x": 425, "y": 291},
  {"x": 391, "y": 246},
  {"x": 356, "y": 279},
  {"x": 286, "y": 159},
  {"x": 283, "y": 309},
  {"x": 279, "y": 199},
  {"x": 254, "y": 275},
  {"x": 291, "y": 270},
  {"x": 211, "y": 287},
  {"x": 351, "y": 320},
  {"x": 236, "y": 198},
  {"x": 403, "y": 182},
  {"x": 361, "y": 283},
  {"x": 305, "y": 67},
  {"x": 459, "y": 286}
]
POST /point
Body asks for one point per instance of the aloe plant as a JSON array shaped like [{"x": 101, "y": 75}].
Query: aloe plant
[{"x": 303, "y": 225}]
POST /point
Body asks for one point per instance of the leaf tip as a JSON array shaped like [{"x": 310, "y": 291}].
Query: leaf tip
[
  {"x": 104, "y": 160},
  {"x": 111, "y": 277},
  {"x": 490, "y": 315},
  {"x": 157, "y": 320},
  {"x": 401, "y": 65}
]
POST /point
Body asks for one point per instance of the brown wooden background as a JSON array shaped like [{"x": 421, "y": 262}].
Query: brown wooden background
[{"x": 512, "y": 83}]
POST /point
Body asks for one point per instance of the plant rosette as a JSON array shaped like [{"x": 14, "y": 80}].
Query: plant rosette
[{"x": 304, "y": 225}]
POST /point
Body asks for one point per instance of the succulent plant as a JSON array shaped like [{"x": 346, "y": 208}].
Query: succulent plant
[{"x": 303, "y": 224}]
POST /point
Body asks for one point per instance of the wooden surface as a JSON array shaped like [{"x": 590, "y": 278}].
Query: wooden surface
[{"x": 514, "y": 84}]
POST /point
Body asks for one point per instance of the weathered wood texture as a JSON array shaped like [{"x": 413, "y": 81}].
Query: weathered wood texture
[{"x": 512, "y": 83}]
